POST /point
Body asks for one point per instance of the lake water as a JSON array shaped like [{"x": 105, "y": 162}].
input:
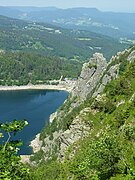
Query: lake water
[{"x": 33, "y": 105}]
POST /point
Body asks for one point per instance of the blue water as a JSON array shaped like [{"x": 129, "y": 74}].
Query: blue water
[{"x": 33, "y": 105}]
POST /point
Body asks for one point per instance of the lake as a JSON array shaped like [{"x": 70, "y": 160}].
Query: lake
[{"x": 33, "y": 105}]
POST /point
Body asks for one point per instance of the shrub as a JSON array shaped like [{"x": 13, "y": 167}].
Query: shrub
[{"x": 10, "y": 163}]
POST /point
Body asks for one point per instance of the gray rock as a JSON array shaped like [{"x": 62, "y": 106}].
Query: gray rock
[
  {"x": 94, "y": 77},
  {"x": 90, "y": 76},
  {"x": 106, "y": 79},
  {"x": 131, "y": 56},
  {"x": 112, "y": 73},
  {"x": 78, "y": 129}
]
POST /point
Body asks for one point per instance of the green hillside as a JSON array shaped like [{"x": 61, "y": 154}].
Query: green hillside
[
  {"x": 18, "y": 35},
  {"x": 107, "y": 151},
  {"x": 20, "y": 68}
]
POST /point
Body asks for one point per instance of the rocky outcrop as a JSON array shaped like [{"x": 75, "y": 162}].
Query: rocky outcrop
[
  {"x": 90, "y": 76},
  {"x": 51, "y": 145},
  {"x": 63, "y": 139},
  {"x": 131, "y": 56},
  {"x": 110, "y": 74},
  {"x": 25, "y": 159},
  {"x": 52, "y": 117},
  {"x": 95, "y": 75},
  {"x": 78, "y": 130},
  {"x": 36, "y": 143},
  {"x": 113, "y": 71}
]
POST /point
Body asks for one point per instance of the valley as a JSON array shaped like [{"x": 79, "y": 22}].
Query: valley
[
  {"x": 67, "y": 81},
  {"x": 50, "y": 40}
]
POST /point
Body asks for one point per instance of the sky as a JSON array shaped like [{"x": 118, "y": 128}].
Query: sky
[{"x": 104, "y": 5}]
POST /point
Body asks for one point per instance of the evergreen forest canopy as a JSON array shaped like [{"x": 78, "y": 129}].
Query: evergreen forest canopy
[
  {"x": 46, "y": 39},
  {"x": 21, "y": 68}
]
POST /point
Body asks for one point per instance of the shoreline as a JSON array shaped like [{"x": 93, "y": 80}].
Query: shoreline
[
  {"x": 35, "y": 143},
  {"x": 62, "y": 87}
]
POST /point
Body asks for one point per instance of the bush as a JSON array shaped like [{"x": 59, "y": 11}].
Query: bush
[
  {"x": 129, "y": 131},
  {"x": 11, "y": 167},
  {"x": 105, "y": 105},
  {"x": 96, "y": 159},
  {"x": 49, "y": 170}
]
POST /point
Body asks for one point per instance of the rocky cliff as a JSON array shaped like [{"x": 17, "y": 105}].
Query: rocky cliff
[
  {"x": 70, "y": 122},
  {"x": 90, "y": 76}
]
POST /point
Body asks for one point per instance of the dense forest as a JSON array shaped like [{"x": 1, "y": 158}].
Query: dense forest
[
  {"x": 18, "y": 35},
  {"x": 22, "y": 68}
]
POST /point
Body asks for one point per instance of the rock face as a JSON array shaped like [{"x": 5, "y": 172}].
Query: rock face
[
  {"x": 53, "y": 116},
  {"x": 131, "y": 56},
  {"x": 63, "y": 139},
  {"x": 87, "y": 82},
  {"x": 51, "y": 145},
  {"x": 90, "y": 76},
  {"x": 36, "y": 144},
  {"x": 111, "y": 73},
  {"x": 78, "y": 130},
  {"x": 95, "y": 75}
]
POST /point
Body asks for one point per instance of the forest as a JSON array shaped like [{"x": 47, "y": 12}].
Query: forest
[
  {"x": 21, "y": 68},
  {"x": 49, "y": 40}
]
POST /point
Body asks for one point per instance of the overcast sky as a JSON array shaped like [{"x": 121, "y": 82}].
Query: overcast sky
[{"x": 105, "y": 5}]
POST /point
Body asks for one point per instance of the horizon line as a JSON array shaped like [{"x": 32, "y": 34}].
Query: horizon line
[{"x": 74, "y": 7}]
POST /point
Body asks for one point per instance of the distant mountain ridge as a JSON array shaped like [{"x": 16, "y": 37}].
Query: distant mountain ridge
[
  {"x": 33, "y": 8},
  {"x": 116, "y": 25}
]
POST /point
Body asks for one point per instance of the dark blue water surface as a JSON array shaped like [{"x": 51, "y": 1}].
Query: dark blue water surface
[{"x": 33, "y": 105}]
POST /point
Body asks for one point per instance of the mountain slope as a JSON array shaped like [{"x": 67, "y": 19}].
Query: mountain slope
[
  {"x": 107, "y": 23},
  {"x": 51, "y": 40},
  {"x": 21, "y": 68},
  {"x": 93, "y": 137},
  {"x": 7, "y": 11}
]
